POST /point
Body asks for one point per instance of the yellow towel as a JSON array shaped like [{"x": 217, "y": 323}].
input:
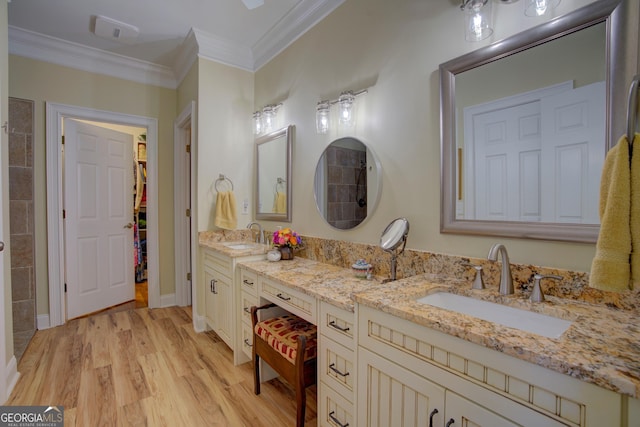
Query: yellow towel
[
  {"x": 610, "y": 269},
  {"x": 635, "y": 212},
  {"x": 280, "y": 203},
  {"x": 226, "y": 216}
]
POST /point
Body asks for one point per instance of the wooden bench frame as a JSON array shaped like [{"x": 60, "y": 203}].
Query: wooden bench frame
[{"x": 300, "y": 374}]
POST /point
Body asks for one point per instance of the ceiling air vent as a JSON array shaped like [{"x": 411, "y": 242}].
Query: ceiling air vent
[{"x": 115, "y": 30}]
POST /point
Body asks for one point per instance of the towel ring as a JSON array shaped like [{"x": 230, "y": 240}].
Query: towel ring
[
  {"x": 632, "y": 108},
  {"x": 222, "y": 179}
]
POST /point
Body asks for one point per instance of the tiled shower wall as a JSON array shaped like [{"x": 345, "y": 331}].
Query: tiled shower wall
[
  {"x": 343, "y": 187},
  {"x": 23, "y": 282}
]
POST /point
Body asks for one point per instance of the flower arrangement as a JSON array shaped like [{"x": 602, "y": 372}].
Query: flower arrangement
[{"x": 286, "y": 237}]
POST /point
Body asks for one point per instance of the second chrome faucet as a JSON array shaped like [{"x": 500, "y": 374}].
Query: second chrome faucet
[{"x": 506, "y": 280}]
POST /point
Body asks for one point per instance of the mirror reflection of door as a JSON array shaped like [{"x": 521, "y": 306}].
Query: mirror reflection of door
[{"x": 535, "y": 157}]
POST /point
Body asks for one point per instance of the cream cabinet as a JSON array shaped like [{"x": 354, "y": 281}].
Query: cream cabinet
[
  {"x": 227, "y": 300},
  {"x": 336, "y": 366},
  {"x": 218, "y": 280},
  {"x": 407, "y": 371}
]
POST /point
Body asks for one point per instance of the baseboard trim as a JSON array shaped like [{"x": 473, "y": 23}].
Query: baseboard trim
[
  {"x": 12, "y": 375},
  {"x": 199, "y": 324},
  {"x": 168, "y": 300},
  {"x": 42, "y": 321}
]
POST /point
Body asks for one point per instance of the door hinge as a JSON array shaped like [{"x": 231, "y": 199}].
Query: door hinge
[
  {"x": 5, "y": 126},
  {"x": 62, "y": 139},
  {"x": 189, "y": 213},
  {"x": 64, "y": 213},
  {"x": 65, "y": 287},
  {"x": 188, "y": 148},
  {"x": 189, "y": 276}
]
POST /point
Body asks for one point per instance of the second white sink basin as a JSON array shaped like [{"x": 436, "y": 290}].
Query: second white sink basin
[
  {"x": 239, "y": 246},
  {"x": 528, "y": 321}
]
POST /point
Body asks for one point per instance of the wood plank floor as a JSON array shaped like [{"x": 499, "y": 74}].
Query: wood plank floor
[{"x": 148, "y": 367}]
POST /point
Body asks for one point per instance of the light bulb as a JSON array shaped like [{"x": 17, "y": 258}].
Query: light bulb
[
  {"x": 346, "y": 107},
  {"x": 257, "y": 123},
  {"x": 322, "y": 117}
]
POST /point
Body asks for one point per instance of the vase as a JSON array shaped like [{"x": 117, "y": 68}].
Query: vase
[{"x": 286, "y": 253}]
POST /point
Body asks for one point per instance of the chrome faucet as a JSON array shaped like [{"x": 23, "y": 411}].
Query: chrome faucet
[
  {"x": 260, "y": 238},
  {"x": 506, "y": 281}
]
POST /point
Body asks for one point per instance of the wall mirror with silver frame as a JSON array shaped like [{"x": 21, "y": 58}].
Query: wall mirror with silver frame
[
  {"x": 526, "y": 123},
  {"x": 347, "y": 183},
  {"x": 273, "y": 175}
]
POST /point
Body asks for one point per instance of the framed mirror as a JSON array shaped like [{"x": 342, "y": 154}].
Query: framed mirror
[
  {"x": 526, "y": 123},
  {"x": 347, "y": 183},
  {"x": 273, "y": 175}
]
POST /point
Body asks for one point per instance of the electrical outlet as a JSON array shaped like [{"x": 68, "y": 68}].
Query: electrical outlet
[{"x": 245, "y": 207}]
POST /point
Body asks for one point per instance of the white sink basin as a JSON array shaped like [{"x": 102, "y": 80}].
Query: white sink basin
[
  {"x": 528, "y": 321},
  {"x": 239, "y": 246}
]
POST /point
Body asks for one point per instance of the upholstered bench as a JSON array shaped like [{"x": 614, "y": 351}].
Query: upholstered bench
[{"x": 289, "y": 345}]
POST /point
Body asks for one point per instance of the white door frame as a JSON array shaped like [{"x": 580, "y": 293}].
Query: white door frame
[
  {"x": 184, "y": 130},
  {"x": 55, "y": 113}
]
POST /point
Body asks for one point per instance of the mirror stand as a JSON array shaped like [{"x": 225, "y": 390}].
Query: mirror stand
[{"x": 394, "y": 240}]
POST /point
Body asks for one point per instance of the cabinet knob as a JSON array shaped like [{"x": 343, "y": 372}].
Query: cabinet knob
[{"x": 130, "y": 225}]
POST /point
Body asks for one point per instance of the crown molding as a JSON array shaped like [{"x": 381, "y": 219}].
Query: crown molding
[
  {"x": 198, "y": 43},
  {"x": 298, "y": 21},
  {"x": 37, "y": 46},
  {"x": 221, "y": 50}
]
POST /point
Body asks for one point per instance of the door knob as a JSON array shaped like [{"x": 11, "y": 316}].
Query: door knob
[
  {"x": 1, "y": 246},
  {"x": 130, "y": 225}
]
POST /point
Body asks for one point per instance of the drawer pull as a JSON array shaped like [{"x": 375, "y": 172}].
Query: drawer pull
[
  {"x": 450, "y": 422},
  {"x": 282, "y": 297},
  {"x": 334, "y": 325},
  {"x": 247, "y": 310},
  {"x": 334, "y": 369},
  {"x": 247, "y": 343},
  {"x": 337, "y": 421},
  {"x": 431, "y": 415},
  {"x": 213, "y": 286},
  {"x": 246, "y": 282}
]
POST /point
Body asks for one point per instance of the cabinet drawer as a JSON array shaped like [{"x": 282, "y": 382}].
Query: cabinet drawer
[
  {"x": 246, "y": 302},
  {"x": 333, "y": 410},
  {"x": 249, "y": 281},
  {"x": 221, "y": 263},
  {"x": 337, "y": 324},
  {"x": 290, "y": 299},
  {"x": 247, "y": 340},
  {"x": 336, "y": 367}
]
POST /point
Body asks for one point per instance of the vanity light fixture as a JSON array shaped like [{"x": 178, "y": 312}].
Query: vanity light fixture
[
  {"x": 477, "y": 19},
  {"x": 345, "y": 101},
  {"x": 264, "y": 120},
  {"x": 539, "y": 7}
]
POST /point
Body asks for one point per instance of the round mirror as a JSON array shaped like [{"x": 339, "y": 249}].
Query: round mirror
[
  {"x": 347, "y": 183},
  {"x": 394, "y": 235}
]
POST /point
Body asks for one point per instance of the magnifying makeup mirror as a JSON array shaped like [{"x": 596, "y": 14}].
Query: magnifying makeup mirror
[{"x": 393, "y": 240}]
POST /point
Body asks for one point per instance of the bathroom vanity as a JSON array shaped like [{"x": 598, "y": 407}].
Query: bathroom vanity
[{"x": 421, "y": 363}]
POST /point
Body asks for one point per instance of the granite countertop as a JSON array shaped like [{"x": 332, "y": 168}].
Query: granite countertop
[
  {"x": 226, "y": 247},
  {"x": 602, "y": 346},
  {"x": 326, "y": 282}
]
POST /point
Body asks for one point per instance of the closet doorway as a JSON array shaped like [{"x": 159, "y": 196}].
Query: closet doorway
[{"x": 56, "y": 113}]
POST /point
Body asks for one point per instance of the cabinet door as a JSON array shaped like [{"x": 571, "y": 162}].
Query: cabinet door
[
  {"x": 223, "y": 309},
  {"x": 218, "y": 300},
  {"x": 393, "y": 396}
]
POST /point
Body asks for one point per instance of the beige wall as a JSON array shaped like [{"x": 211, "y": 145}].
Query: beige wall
[
  {"x": 394, "y": 48},
  {"x": 44, "y": 82}
]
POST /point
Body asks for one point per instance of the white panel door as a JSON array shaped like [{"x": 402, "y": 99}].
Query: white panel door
[
  {"x": 573, "y": 155},
  {"x": 98, "y": 199},
  {"x": 505, "y": 156}
]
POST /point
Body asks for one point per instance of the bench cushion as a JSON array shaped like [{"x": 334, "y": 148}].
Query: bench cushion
[{"x": 282, "y": 333}]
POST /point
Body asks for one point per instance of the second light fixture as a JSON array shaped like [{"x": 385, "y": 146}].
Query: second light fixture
[{"x": 345, "y": 115}]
